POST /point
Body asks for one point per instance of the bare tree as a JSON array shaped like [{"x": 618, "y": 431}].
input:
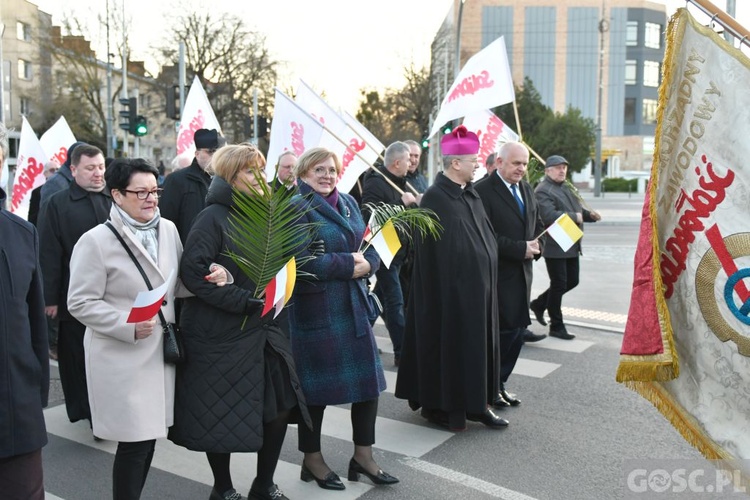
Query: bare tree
[{"x": 230, "y": 60}]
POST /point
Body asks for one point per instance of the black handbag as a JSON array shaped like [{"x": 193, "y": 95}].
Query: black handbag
[
  {"x": 174, "y": 352},
  {"x": 374, "y": 307}
]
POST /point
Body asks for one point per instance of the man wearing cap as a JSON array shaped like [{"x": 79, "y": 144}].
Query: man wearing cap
[
  {"x": 450, "y": 355},
  {"x": 185, "y": 190},
  {"x": 512, "y": 210},
  {"x": 555, "y": 197}
]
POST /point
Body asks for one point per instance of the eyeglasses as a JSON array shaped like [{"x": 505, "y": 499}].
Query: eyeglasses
[
  {"x": 209, "y": 150},
  {"x": 143, "y": 195},
  {"x": 473, "y": 161},
  {"x": 323, "y": 171}
]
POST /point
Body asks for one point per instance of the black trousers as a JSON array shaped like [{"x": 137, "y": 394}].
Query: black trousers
[
  {"x": 72, "y": 363},
  {"x": 511, "y": 342},
  {"x": 363, "y": 426},
  {"x": 563, "y": 277},
  {"x": 21, "y": 477},
  {"x": 132, "y": 462}
]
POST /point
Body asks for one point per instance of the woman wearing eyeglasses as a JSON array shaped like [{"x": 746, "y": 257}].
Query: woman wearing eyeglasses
[
  {"x": 131, "y": 389},
  {"x": 332, "y": 340}
]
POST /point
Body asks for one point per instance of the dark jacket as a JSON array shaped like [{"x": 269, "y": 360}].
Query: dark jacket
[
  {"x": 67, "y": 215},
  {"x": 450, "y": 359},
  {"x": 333, "y": 343},
  {"x": 555, "y": 199},
  {"x": 219, "y": 392},
  {"x": 513, "y": 230},
  {"x": 34, "y": 202},
  {"x": 184, "y": 197},
  {"x": 59, "y": 181},
  {"x": 417, "y": 180},
  {"x": 24, "y": 359}
]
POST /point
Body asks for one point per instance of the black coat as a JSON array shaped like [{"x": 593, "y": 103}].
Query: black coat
[
  {"x": 24, "y": 359},
  {"x": 376, "y": 190},
  {"x": 219, "y": 392},
  {"x": 554, "y": 199},
  {"x": 184, "y": 197},
  {"x": 66, "y": 216},
  {"x": 450, "y": 359},
  {"x": 513, "y": 230},
  {"x": 36, "y": 199}
]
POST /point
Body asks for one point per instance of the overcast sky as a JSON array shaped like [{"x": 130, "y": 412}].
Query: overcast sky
[{"x": 337, "y": 46}]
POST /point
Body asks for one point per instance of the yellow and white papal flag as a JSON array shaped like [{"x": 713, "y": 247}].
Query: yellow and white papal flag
[{"x": 565, "y": 232}]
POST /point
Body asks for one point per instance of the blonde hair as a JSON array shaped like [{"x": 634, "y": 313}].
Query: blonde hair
[
  {"x": 229, "y": 160},
  {"x": 314, "y": 156}
]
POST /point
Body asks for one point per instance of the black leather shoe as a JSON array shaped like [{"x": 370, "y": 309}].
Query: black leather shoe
[
  {"x": 332, "y": 481},
  {"x": 500, "y": 402},
  {"x": 561, "y": 332},
  {"x": 436, "y": 417},
  {"x": 271, "y": 493},
  {"x": 510, "y": 397},
  {"x": 538, "y": 313},
  {"x": 488, "y": 418},
  {"x": 380, "y": 478},
  {"x": 529, "y": 336},
  {"x": 230, "y": 494}
]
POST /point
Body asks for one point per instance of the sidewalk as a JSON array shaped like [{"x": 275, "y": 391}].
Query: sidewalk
[{"x": 616, "y": 208}]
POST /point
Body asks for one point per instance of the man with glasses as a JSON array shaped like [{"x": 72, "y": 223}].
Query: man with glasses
[
  {"x": 450, "y": 358},
  {"x": 378, "y": 190},
  {"x": 512, "y": 210},
  {"x": 65, "y": 217},
  {"x": 185, "y": 190}
]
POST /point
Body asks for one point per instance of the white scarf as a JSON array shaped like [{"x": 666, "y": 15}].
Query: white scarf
[{"x": 144, "y": 231}]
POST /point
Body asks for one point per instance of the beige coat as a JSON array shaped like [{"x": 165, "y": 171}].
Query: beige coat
[{"x": 131, "y": 389}]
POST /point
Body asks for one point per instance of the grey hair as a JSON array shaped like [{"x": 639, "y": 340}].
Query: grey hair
[
  {"x": 393, "y": 152},
  {"x": 491, "y": 159},
  {"x": 411, "y": 142},
  {"x": 4, "y": 140}
]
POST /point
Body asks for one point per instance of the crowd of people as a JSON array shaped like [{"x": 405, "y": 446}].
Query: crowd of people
[{"x": 456, "y": 306}]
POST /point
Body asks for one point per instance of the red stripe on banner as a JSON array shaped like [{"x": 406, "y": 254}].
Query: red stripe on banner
[
  {"x": 270, "y": 293},
  {"x": 138, "y": 314},
  {"x": 727, "y": 262}
]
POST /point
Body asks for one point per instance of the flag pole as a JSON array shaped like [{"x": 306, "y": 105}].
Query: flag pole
[{"x": 518, "y": 123}]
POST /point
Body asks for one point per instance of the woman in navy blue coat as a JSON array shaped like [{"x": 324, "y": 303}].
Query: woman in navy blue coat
[{"x": 332, "y": 341}]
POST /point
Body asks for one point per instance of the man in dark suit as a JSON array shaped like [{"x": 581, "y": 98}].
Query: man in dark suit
[
  {"x": 284, "y": 173},
  {"x": 24, "y": 366},
  {"x": 185, "y": 190},
  {"x": 555, "y": 198},
  {"x": 512, "y": 210},
  {"x": 66, "y": 216}
]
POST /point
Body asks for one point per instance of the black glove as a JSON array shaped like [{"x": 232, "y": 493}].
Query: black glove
[
  {"x": 254, "y": 305},
  {"x": 316, "y": 248}
]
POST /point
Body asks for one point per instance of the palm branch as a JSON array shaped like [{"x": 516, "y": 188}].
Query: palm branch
[
  {"x": 265, "y": 233},
  {"x": 406, "y": 221}
]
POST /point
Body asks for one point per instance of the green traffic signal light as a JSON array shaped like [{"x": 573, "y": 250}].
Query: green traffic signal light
[
  {"x": 447, "y": 130},
  {"x": 425, "y": 143},
  {"x": 141, "y": 126}
]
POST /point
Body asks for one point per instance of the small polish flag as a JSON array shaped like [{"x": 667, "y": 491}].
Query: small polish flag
[
  {"x": 279, "y": 289},
  {"x": 148, "y": 303},
  {"x": 565, "y": 232},
  {"x": 386, "y": 242}
]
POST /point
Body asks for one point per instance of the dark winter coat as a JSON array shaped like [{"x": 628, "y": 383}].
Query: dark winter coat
[
  {"x": 554, "y": 199},
  {"x": 450, "y": 359},
  {"x": 332, "y": 340},
  {"x": 66, "y": 217},
  {"x": 184, "y": 197},
  {"x": 417, "y": 180},
  {"x": 219, "y": 392},
  {"x": 24, "y": 359},
  {"x": 513, "y": 230}
]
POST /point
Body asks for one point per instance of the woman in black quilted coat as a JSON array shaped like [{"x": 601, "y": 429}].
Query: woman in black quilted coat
[{"x": 239, "y": 384}]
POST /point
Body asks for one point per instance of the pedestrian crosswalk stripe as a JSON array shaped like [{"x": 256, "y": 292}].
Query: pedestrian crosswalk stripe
[
  {"x": 50, "y": 496},
  {"x": 533, "y": 368},
  {"x": 574, "y": 345}
]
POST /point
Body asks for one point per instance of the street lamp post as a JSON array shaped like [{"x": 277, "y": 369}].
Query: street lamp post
[{"x": 603, "y": 27}]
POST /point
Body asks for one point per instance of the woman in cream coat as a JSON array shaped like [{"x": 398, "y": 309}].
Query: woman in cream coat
[{"x": 131, "y": 389}]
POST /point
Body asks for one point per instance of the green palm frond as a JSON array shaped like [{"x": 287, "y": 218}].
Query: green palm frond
[
  {"x": 266, "y": 234},
  {"x": 407, "y": 221}
]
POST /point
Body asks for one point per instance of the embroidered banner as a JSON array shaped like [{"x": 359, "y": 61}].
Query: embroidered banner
[{"x": 686, "y": 343}]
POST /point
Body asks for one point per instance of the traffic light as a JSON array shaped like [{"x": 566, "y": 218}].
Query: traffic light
[
  {"x": 141, "y": 126},
  {"x": 425, "y": 143},
  {"x": 129, "y": 113},
  {"x": 447, "y": 130}
]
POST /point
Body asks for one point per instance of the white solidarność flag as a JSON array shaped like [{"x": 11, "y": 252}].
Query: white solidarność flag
[
  {"x": 197, "y": 114},
  {"x": 56, "y": 141},
  {"x": 492, "y": 132},
  {"x": 484, "y": 83},
  {"x": 29, "y": 170}
]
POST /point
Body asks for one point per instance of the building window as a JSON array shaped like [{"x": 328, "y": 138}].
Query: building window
[
  {"x": 652, "y": 37},
  {"x": 23, "y": 31},
  {"x": 25, "y": 106},
  {"x": 630, "y": 72},
  {"x": 649, "y": 111},
  {"x": 630, "y": 111},
  {"x": 631, "y": 34},
  {"x": 24, "y": 69},
  {"x": 650, "y": 73}
]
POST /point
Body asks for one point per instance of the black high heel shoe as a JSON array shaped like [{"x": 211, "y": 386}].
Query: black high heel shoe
[
  {"x": 380, "y": 478},
  {"x": 332, "y": 481}
]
